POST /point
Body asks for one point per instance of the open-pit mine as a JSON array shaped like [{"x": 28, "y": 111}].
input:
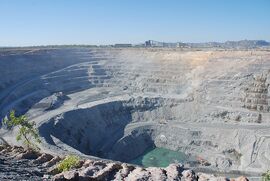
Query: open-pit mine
[{"x": 211, "y": 106}]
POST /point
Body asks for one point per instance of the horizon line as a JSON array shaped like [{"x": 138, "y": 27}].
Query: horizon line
[{"x": 83, "y": 44}]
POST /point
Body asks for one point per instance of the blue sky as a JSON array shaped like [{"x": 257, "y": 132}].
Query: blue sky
[{"x": 37, "y": 22}]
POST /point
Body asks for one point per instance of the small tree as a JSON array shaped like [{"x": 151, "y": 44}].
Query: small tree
[
  {"x": 71, "y": 161},
  {"x": 28, "y": 132}
]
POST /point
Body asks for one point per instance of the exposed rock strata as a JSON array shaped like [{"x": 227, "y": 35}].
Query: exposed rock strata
[{"x": 35, "y": 166}]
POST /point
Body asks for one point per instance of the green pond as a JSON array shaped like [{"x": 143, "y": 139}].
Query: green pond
[{"x": 159, "y": 157}]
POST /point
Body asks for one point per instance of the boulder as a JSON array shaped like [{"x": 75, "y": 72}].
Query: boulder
[
  {"x": 67, "y": 175},
  {"x": 189, "y": 175},
  {"x": 219, "y": 179},
  {"x": 204, "y": 176},
  {"x": 43, "y": 158},
  {"x": 28, "y": 154},
  {"x": 17, "y": 149},
  {"x": 123, "y": 173},
  {"x": 52, "y": 162},
  {"x": 89, "y": 171},
  {"x": 242, "y": 178},
  {"x": 138, "y": 174},
  {"x": 174, "y": 171},
  {"x": 87, "y": 163},
  {"x": 157, "y": 173},
  {"x": 110, "y": 168}
]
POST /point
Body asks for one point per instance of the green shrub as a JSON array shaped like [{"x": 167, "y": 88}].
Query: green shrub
[
  {"x": 266, "y": 176},
  {"x": 71, "y": 161},
  {"x": 28, "y": 132}
]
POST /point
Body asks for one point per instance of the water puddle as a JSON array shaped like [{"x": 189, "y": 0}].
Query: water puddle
[{"x": 159, "y": 157}]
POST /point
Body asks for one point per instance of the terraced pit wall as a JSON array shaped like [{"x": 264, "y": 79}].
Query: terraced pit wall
[{"x": 116, "y": 103}]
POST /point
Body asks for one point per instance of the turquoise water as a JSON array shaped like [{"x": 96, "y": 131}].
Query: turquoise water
[{"x": 159, "y": 157}]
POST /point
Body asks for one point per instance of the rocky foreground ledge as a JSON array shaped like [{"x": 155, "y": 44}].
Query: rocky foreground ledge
[{"x": 17, "y": 163}]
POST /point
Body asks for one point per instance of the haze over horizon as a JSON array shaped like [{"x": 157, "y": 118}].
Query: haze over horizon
[{"x": 31, "y": 23}]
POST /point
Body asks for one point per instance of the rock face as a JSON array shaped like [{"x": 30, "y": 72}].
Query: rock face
[
  {"x": 19, "y": 164},
  {"x": 14, "y": 168},
  {"x": 116, "y": 103}
]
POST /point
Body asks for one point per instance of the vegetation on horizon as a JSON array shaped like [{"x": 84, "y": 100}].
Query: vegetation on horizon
[{"x": 28, "y": 132}]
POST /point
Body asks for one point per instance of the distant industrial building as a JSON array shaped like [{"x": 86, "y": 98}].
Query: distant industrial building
[
  {"x": 148, "y": 43},
  {"x": 122, "y": 45},
  {"x": 152, "y": 43},
  {"x": 181, "y": 45}
]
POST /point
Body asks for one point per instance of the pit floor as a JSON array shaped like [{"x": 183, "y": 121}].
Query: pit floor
[{"x": 159, "y": 157}]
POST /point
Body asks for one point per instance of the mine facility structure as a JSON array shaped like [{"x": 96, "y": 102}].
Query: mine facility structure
[
  {"x": 153, "y": 43},
  {"x": 122, "y": 45}
]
